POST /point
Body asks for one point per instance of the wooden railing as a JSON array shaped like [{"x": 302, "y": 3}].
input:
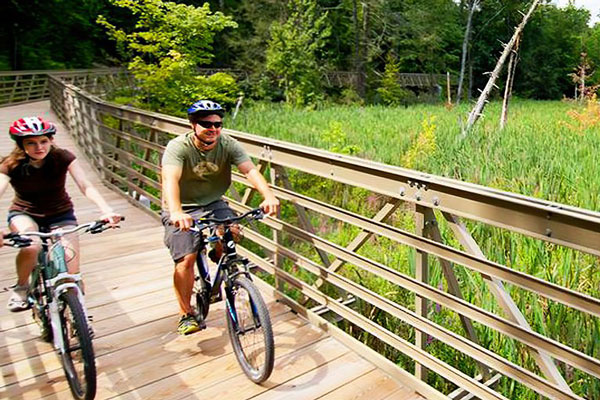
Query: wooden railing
[
  {"x": 18, "y": 87},
  {"x": 126, "y": 145}
]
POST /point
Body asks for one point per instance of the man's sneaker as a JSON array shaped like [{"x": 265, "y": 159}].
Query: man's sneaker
[{"x": 187, "y": 325}]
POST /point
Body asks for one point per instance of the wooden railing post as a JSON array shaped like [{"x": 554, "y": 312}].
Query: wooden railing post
[
  {"x": 421, "y": 274},
  {"x": 277, "y": 259}
]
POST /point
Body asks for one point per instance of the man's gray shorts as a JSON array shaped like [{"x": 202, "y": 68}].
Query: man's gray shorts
[{"x": 182, "y": 243}]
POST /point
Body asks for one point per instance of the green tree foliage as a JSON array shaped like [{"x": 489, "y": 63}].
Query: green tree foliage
[
  {"x": 591, "y": 45},
  {"x": 554, "y": 36},
  {"x": 168, "y": 43},
  {"x": 53, "y": 34},
  {"x": 391, "y": 92},
  {"x": 426, "y": 36},
  {"x": 293, "y": 52}
]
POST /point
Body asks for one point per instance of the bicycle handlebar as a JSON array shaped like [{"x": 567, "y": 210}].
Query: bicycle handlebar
[
  {"x": 203, "y": 223},
  {"x": 23, "y": 239}
]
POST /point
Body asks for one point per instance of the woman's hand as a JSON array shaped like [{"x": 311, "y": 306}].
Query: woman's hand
[
  {"x": 110, "y": 217},
  {"x": 3, "y": 232}
]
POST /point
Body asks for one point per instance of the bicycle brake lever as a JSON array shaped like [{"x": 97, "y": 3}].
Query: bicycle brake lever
[
  {"x": 259, "y": 214},
  {"x": 97, "y": 227},
  {"x": 18, "y": 241}
]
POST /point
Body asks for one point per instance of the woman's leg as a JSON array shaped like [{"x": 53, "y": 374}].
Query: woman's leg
[
  {"x": 27, "y": 256},
  {"x": 71, "y": 246},
  {"x": 26, "y": 261}
]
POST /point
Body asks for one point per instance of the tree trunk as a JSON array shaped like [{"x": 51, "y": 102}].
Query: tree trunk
[
  {"x": 582, "y": 82},
  {"x": 363, "y": 51},
  {"x": 470, "y": 90},
  {"x": 472, "y": 6},
  {"x": 478, "y": 109},
  {"x": 510, "y": 78},
  {"x": 360, "y": 87}
]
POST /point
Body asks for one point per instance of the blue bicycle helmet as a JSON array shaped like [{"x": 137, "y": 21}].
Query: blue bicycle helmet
[{"x": 206, "y": 107}]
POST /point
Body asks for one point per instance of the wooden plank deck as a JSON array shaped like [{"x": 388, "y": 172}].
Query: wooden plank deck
[{"x": 128, "y": 275}]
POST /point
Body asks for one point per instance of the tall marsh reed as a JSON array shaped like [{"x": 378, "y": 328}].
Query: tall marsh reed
[{"x": 548, "y": 150}]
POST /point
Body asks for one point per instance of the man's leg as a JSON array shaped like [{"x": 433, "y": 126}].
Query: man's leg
[
  {"x": 183, "y": 247},
  {"x": 183, "y": 282}
]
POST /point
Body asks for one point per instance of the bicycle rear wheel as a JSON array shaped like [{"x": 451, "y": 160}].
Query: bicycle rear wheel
[
  {"x": 250, "y": 330},
  {"x": 78, "y": 359}
]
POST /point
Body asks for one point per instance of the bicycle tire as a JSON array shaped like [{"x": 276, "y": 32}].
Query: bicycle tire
[
  {"x": 76, "y": 338},
  {"x": 256, "y": 354}
]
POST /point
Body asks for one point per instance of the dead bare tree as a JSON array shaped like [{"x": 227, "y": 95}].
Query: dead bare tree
[
  {"x": 510, "y": 78},
  {"x": 473, "y": 5},
  {"x": 478, "y": 109},
  {"x": 582, "y": 72}
]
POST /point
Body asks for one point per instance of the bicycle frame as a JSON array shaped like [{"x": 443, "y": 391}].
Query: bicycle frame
[
  {"x": 223, "y": 272},
  {"x": 52, "y": 267}
]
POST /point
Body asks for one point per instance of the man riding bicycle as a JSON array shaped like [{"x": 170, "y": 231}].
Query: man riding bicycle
[{"x": 196, "y": 173}]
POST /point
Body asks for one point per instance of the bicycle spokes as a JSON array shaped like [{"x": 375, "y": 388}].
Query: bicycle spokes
[{"x": 250, "y": 335}]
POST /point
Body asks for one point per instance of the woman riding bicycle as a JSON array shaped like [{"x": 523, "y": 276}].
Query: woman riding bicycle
[{"x": 37, "y": 171}]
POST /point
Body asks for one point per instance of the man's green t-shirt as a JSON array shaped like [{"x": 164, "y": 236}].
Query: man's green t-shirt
[{"x": 206, "y": 176}]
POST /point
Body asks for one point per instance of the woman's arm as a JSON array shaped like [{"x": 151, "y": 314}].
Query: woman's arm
[
  {"x": 270, "y": 204},
  {"x": 4, "y": 182},
  {"x": 88, "y": 189}
]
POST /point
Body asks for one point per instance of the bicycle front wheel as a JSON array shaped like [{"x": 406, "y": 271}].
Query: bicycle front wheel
[
  {"x": 250, "y": 329},
  {"x": 78, "y": 357},
  {"x": 39, "y": 307}
]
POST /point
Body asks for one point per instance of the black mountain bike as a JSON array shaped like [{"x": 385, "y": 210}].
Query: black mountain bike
[
  {"x": 58, "y": 306},
  {"x": 248, "y": 320}
]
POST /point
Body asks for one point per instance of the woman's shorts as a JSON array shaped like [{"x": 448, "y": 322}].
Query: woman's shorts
[
  {"x": 50, "y": 222},
  {"x": 181, "y": 243}
]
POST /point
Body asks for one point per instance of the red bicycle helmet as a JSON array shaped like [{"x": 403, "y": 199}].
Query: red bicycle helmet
[{"x": 31, "y": 126}]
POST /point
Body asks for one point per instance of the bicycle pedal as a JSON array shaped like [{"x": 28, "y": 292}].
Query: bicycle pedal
[
  {"x": 201, "y": 322},
  {"x": 216, "y": 298}
]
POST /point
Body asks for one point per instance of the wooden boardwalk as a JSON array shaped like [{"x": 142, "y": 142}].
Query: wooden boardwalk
[{"x": 128, "y": 275}]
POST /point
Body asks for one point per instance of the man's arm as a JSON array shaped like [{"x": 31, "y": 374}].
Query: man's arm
[
  {"x": 170, "y": 190},
  {"x": 270, "y": 204}
]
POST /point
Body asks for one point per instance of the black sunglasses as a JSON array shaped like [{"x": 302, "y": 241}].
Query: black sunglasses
[{"x": 210, "y": 124}]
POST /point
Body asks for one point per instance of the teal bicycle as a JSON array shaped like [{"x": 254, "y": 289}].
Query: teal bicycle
[{"x": 57, "y": 301}]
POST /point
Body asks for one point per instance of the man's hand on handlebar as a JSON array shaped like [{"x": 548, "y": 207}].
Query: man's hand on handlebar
[
  {"x": 270, "y": 205},
  {"x": 182, "y": 220}
]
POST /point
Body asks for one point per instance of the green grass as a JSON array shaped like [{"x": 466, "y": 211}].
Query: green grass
[
  {"x": 535, "y": 155},
  {"x": 542, "y": 152}
]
